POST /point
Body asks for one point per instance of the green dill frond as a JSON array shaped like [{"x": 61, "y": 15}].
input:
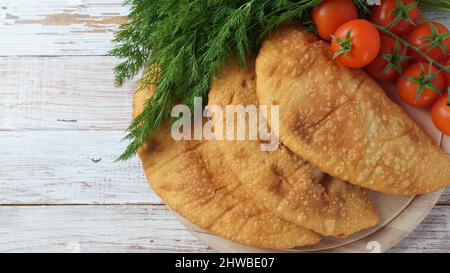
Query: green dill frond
[
  {"x": 442, "y": 5},
  {"x": 179, "y": 45}
]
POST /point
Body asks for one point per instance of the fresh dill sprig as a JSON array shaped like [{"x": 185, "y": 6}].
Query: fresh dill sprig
[
  {"x": 179, "y": 45},
  {"x": 442, "y": 5}
]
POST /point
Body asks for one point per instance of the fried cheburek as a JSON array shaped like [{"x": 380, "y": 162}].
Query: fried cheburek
[
  {"x": 340, "y": 120},
  {"x": 281, "y": 181},
  {"x": 191, "y": 179}
]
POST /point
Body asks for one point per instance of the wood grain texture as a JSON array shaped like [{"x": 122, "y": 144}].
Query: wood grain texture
[
  {"x": 67, "y": 93},
  {"x": 59, "y": 167},
  {"x": 383, "y": 239},
  {"x": 94, "y": 229},
  {"x": 62, "y": 93},
  {"x": 145, "y": 229},
  {"x": 69, "y": 167},
  {"x": 61, "y": 121},
  {"x": 446, "y": 144},
  {"x": 71, "y": 27},
  {"x": 59, "y": 27},
  {"x": 432, "y": 235},
  {"x": 445, "y": 198}
]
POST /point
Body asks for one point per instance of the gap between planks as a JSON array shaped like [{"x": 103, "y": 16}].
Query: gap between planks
[
  {"x": 87, "y": 35},
  {"x": 74, "y": 167},
  {"x": 64, "y": 93},
  {"x": 67, "y": 93},
  {"x": 73, "y": 27},
  {"x": 69, "y": 167}
]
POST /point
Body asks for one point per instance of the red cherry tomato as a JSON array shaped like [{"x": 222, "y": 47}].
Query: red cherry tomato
[
  {"x": 447, "y": 74},
  {"x": 386, "y": 14},
  {"x": 393, "y": 51},
  {"x": 408, "y": 89},
  {"x": 440, "y": 114},
  {"x": 423, "y": 36},
  {"x": 330, "y": 14},
  {"x": 359, "y": 42}
]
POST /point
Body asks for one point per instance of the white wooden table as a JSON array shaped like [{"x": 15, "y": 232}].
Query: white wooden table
[{"x": 61, "y": 121}]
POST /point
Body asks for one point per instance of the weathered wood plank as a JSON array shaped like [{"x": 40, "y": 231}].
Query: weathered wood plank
[
  {"x": 55, "y": 27},
  {"x": 94, "y": 229},
  {"x": 71, "y": 27},
  {"x": 69, "y": 167},
  {"x": 439, "y": 16},
  {"x": 58, "y": 167},
  {"x": 63, "y": 93},
  {"x": 145, "y": 229},
  {"x": 445, "y": 199},
  {"x": 57, "y": 93},
  {"x": 432, "y": 235},
  {"x": 446, "y": 144}
]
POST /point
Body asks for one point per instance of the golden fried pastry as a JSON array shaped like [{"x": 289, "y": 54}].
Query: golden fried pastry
[
  {"x": 281, "y": 181},
  {"x": 340, "y": 120},
  {"x": 191, "y": 179}
]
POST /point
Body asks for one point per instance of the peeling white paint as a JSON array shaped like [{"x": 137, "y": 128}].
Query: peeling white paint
[{"x": 55, "y": 27}]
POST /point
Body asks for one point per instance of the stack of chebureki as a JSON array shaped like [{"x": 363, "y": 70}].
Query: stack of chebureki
[{"x": 333, "y": 120}]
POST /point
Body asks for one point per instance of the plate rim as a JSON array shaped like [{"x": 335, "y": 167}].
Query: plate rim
[{"x": 391, "y": 233}]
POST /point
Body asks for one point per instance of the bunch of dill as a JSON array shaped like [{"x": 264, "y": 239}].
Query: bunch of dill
[{"x": 181, "y": 44}]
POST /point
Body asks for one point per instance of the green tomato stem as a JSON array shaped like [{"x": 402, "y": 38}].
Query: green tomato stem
[{"x": 416, "y": 49}]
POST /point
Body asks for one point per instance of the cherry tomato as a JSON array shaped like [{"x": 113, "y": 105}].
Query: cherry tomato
[
  {"x": 390, "y": 11},
  {"x": 423, "y": 35},
  {"x": 440, "y": 114},
  {"x": 330, "y": 14},
  {"x": 392, "y": 51},
  {"x": 356, "y": 43},
  {"x": 447, "y": 74},
  {"x": 408, "y": 89}
]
